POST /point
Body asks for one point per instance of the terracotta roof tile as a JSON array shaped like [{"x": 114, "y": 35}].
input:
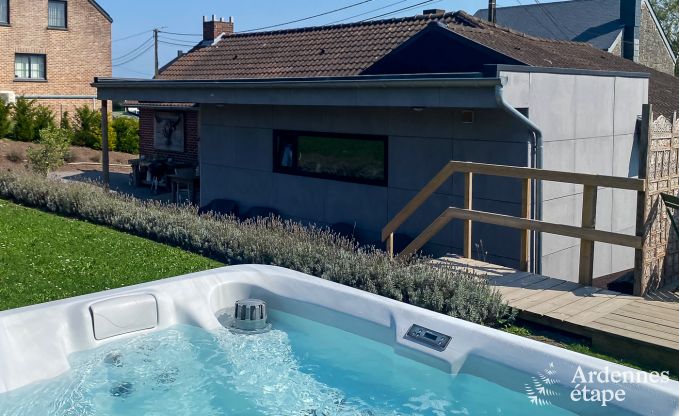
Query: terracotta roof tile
[
  {"x": 339, "y": 50},
  {"x": 350, "y": 49}
]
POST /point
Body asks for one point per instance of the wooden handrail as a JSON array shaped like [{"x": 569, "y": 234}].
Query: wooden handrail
[
  {"x": 632, "y": 184},
  {"x": 520, "y": 223},
  {"x": 507, "y": 171},
  {"x": 586, "y": 233}
]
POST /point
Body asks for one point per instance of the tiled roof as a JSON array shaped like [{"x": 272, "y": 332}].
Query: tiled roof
[
  {"x": 339, "y": 50},
  {"x": 350, "y": 49},
  {"x": 593, "y": 21},
  {"x": 534, "y": 51}
]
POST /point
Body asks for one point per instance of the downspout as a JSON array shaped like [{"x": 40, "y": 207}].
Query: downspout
[{"x": 536, "y": 163}]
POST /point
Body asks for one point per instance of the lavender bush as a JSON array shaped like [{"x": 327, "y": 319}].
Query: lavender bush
[{"x": 271, "y": 241}]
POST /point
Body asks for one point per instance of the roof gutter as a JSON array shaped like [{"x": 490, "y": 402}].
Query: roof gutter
[
  {"x": 412, "y": 82},
  {"x": 537, "y": 164},
  {"x": 430, "y": 91}
]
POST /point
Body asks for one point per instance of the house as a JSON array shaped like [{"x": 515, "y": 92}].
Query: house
[
  {"x": 346, "y": 123},
  {"x": 52, "y": 49},
  {"x": 627, "y": 28}
]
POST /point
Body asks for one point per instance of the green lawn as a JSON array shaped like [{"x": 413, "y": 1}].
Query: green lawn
[{"x": 45, "y": 257}]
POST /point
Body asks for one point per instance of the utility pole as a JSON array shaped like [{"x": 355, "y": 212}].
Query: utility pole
[{"x": 155, "y": 52}]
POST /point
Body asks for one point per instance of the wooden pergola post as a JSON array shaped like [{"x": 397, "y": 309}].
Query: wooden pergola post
[{"x": 104, "y": 144}]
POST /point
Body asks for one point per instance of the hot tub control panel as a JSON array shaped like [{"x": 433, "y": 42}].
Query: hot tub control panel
[{"x": 427, "y": 337}]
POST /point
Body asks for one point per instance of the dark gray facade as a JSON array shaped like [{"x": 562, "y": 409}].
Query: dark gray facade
[{"x": 588, "y": 123}]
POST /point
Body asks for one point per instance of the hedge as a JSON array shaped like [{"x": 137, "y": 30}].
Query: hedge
[{"x": 308, "y": 249}]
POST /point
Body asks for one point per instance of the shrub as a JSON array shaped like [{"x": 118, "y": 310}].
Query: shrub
[
  {"x": 43, "y": 119},
  {"x": 87, "y": 129},
  {"x": 5, "y": 125},
  {"x": 14, "y": 156},
  {"x": 65, "y": 123},
  {"x": 24, "y": 120},
  {"x": 271, "y": 241},
  {"x": 51, "y": 154},
  {"x": 127, "y": 134}
]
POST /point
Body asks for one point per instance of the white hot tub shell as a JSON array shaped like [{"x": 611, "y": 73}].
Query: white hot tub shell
[{"x": 36, "y": 341}]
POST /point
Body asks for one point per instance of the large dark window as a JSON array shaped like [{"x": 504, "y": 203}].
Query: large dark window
[
  {"x": 4, "y": 12},
  {"x": 346, "y": 157},
  {"x": 29, "y": 67},
  {"x": 56, "y": 14}
]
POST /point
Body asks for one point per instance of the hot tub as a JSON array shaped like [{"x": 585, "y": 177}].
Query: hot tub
[{"x": 170, "y": 347}]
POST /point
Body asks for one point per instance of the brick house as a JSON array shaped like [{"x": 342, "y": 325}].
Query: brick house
[
  {"x": 52, "y": 49},
  {"x": 627, "y": 28},
  {"x": 188, "y": 151}
]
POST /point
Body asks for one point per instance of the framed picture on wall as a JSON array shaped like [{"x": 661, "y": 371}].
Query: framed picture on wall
[{"x": 169, "y": 131}]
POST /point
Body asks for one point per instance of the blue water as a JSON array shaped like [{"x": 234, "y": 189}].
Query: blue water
[{"x": 300, "y": 368}]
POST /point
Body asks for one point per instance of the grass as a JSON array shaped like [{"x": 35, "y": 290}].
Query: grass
[
  {"x": 570, "y": 342},
  {"x": 44, "y": 257}
]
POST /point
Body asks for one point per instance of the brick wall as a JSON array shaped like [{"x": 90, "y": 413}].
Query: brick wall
[
  {"x": 74, "y": 56},
  {"x": 652, "y": 50},
  {"x": 146, "y": 133}
]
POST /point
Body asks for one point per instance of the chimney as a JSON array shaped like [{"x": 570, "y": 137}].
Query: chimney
[
  {"x": 630, "y": 16},
  {"x": 212, "y": 28},
  {"x": 436, "y": 12},
  {"x": 492, "y": 10}
]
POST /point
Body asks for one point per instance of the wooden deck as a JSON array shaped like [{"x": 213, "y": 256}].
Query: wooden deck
[{"x": 644, "y": 329}]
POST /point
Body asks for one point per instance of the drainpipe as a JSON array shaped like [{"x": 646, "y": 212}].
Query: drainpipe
[{"x": 536, "y": 162}]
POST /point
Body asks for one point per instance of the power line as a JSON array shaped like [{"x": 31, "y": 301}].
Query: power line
[
  {"x": 400, "y": 10},
  {"x": 550, "y": 17},
  {"x": 132, "y": 36},
  {"x": 177, "y": 40},
  {"x": 182, "y": 34},
  {"x": 307, "y": 18},
  {"x": 134, "y": 58},
  {"x": 125, "y": 55},
  {"x": 368, "y": 12},
  {"x": 135, "y": 71},
  {"x": 175, "y": 44}
]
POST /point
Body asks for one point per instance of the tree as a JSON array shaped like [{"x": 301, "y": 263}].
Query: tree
[
  {"x": 667, "y": 12},
  {"x": 43, "y": 118},
  {"x": 24, "y": 120},
  {"x": 5, "y": 125},
  {"x": 51, "y": 155},
  {"x": 127, "y": 134},
  {"x": 87, "y": 129}
]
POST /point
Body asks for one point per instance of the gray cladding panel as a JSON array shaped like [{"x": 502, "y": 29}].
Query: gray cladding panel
[
  {"x": 414, "y": 161},
  {"x": 594, "y": 97}
]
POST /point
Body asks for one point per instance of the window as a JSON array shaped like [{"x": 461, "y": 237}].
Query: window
[
  {"x": 4, "y": 12},
  {"x": 346, "y": 157},
  {"x": 29, "y": 67},
  {"x": 56, "y": 13}
]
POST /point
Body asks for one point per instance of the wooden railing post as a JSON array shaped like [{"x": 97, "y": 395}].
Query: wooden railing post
[
  {"x": 390, "y": 245},
  {"x": 468, "y": 182},
  {"x": 524, "y": 259},
  {"x": 586, "y": 271}
]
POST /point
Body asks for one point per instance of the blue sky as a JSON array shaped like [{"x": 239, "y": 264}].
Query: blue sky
[{"x": 138, "y": 17}]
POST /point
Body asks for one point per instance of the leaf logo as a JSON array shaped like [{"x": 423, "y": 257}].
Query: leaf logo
[{"x": 538, "y": 391}]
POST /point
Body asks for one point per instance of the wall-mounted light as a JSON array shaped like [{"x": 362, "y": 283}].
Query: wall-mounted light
[
  {"x": 418, "y": 109},
  {"x": 467, "y": 116}
]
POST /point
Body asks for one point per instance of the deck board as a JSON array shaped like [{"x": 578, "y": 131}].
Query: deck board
[{"x": 635, "y": 325}]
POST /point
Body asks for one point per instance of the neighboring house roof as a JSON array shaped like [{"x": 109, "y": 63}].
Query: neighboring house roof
[
  {"x": 593, "y": 21},
  {"x": 534, "y": 51},
  {"x": 352, "y": 49},
  {"x": 101, "y": 10}
]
